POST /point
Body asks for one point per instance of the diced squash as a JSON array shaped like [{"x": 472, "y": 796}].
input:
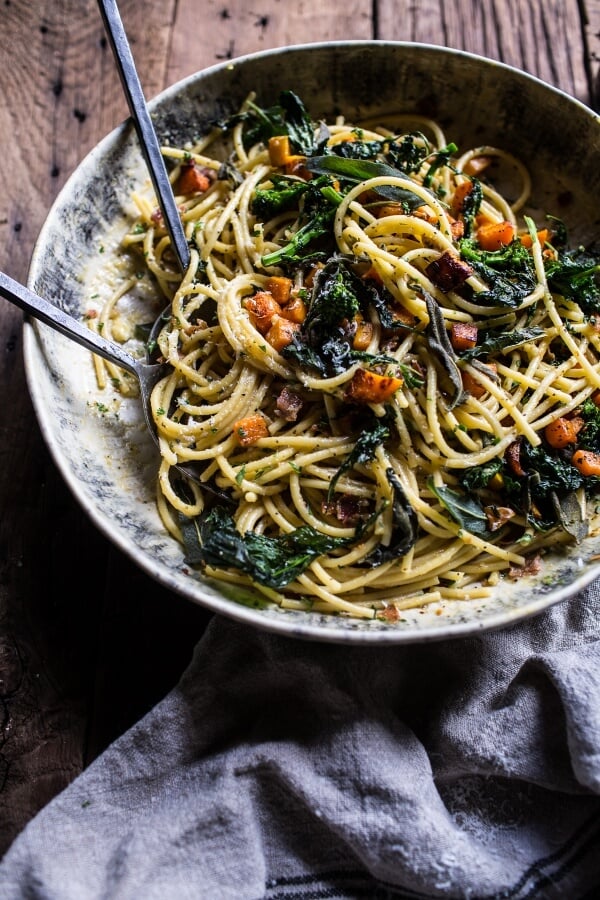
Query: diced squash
[
  {"x": 495, "y": 235},
  {"x": 281, "y": 333},
  {"x": 476, "y": 388},
  {"x": 295, "y": 310},
  {"x": 477, "y": 164},
  {"x": 280, "y": 288},
  {"x": 372, "y": 274},
  {"x": 369, "y": 387},
  {"x": 543, "y": 235},
  {"x": 461, "y": 191},
  {"x": 463, "y": 336},
  {"x": 279, "y": 150},
  {"x": 587, "y": 462},
  {"x": 563, "y": 432},
  {"x": 261, "y": 308},
  {"x": 192, "y": 179},
  {"x": 250, "y": 429},
  {"x": 363, "y": 336},
  {"x": 295, "y": 165},
  {"x": 402, "y": 314},
  {"x": 309, "y": 279},
  {"x": 384, "y": 210}
]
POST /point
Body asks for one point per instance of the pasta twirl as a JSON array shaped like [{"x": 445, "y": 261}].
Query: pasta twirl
[{"x": 389, "y": 370}]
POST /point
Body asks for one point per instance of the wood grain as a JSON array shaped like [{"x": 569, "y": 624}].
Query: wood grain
[{"x": 87, "y": 642}]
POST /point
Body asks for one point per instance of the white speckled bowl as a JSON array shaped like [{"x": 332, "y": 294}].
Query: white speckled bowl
[{"x": 109, "y": 460}]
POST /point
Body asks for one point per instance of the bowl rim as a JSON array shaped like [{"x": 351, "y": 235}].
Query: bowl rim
[{"x": 284, "y": 625}]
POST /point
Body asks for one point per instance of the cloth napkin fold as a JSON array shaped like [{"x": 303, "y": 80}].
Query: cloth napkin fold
[{"x": 284, "y": 769}]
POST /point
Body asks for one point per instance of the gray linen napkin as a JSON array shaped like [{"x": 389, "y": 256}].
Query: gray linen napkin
[{"x": 285, "y": 769}]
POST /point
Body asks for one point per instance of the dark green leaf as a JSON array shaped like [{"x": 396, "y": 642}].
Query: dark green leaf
[
  {"x": 465, "y": 510},
  {"x": 358, "y": 170},
  {"x": 405, "y": 526},
  {"x": 374, "y": 433},
  {"x": 272, "y": 561},
  {"x": 495, "y": 342},
  {"x": 439, "y": 342}
]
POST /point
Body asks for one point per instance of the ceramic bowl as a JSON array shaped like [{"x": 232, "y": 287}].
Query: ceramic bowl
[{"x": 100, "y": 444}]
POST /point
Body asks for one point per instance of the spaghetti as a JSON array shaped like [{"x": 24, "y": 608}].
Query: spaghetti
[{"x": 385, "y": 368}]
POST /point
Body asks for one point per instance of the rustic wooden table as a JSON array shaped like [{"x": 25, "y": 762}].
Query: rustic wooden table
[{"x": 87, "y": 642}]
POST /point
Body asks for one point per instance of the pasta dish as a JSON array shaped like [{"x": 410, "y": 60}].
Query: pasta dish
[{"x": 384, "y": 373}]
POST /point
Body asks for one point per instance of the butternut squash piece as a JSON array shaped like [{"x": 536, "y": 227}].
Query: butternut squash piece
[
  {"x": 261, "y": 308},
  {"x": 280, "y": 288},
  {"x": 250, "y": 429},
  {"x": 495, "y": 235},
  {"x": 369, "y": 387},
  {"x": 281, "y": 333}
]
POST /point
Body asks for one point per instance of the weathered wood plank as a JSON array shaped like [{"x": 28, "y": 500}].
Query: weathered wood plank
[
  {"x": 53, "y": 562},
  {"x": 544, "y": 39},
  {"x": 219, "y": 31}
]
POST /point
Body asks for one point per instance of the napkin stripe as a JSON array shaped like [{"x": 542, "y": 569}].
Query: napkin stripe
[{"x": 534, "y": 882}]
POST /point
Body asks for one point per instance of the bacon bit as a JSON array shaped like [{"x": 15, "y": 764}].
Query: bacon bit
[
  {"x": 156, "y": 216},
  {"x": 296, "y": 165},
  {"x": 512, "y": 455},
  {"x": 194, "y": 327},
  {"x": 280, "y": 288},
  {"x": 586, "y": 462},
  {"x": 476, "y": 388},
  {"x": 369, "y": 387},
  {"x": 347, "y": 509},
  {"x": 194, "y": 179},
  {"x": 595, "y": 398},
  {"x": 457, "y": 228},
  {"x": 295, "y": 310},
  {"x": 310, "y": 277},
  {"x": 289, "y": 405},
  {"x": 261, "y": 308},
  {"x": 372, "y": 275},
  {"x": 477, "y": 164},
  {"x": 389, "y": 613},
  {"x": 563, "y": 431},
  {"x": 495, "y": 235},
  {"x": 91, "y": 314},
  {"x": 533, "y": 566},
  {"x": 250, "y": 429},
  {"x": 463, "y": 335},
  {"x": 281, "y": 333},
  {"x": 448, "y": 271},
  {"x": 498, "y": 516}
]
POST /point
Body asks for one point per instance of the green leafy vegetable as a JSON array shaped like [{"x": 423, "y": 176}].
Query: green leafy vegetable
[
  {"x": 509, "y": 272},
  {"x": 374, "y": 433},
  {"x": 494, "y": 342},
  {"x": 439, "y": 342},
  {"x": 405, "y": 526},
  {"x": 285, "y": 193},
  {"x": 465, "y": 510},
  {"x": 357, "y": 170},
  {"x": 440, "y": 159},
  {"x": 213, "y": 540},
  {"x": 575, "y": 275}
]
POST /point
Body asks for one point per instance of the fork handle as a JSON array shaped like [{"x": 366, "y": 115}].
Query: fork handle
[{"x": 145, "y": 129}]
